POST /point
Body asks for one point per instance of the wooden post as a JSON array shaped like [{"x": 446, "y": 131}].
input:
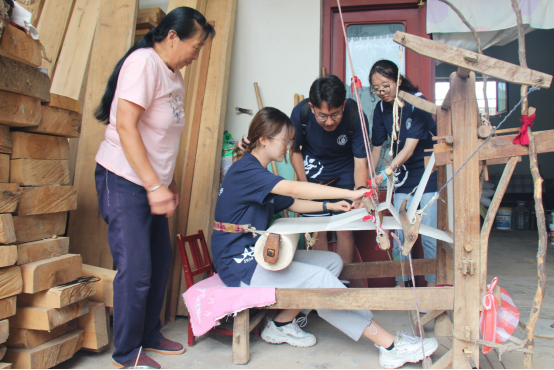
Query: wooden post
[
  {"x": 241, "y": 338},
  {"x": 466, "y": 202}
]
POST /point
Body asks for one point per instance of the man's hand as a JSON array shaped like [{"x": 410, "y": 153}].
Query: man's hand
[{"x": 342, "y": 206}]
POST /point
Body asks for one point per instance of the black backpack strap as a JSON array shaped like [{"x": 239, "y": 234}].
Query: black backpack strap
[
  {"x": 305, "y": 112},
  {"x": 353, "y": 118}
]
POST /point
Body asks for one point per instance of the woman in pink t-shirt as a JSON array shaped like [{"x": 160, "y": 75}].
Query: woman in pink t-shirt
[{"x": 143, "y": 109}]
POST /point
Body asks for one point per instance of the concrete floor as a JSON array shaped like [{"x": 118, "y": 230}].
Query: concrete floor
[{"x": 512, "y": 258}]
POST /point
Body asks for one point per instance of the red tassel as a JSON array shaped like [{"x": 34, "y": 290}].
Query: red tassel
[
  {"x": 355, "y": 83},
  {"x": 522, "y": 138}
]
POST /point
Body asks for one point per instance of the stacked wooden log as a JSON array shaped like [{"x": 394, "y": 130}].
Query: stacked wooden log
[{"x": 146, "y": 20}]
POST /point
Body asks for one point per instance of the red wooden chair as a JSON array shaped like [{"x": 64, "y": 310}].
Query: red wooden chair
[{"x": 202, "y": 264}]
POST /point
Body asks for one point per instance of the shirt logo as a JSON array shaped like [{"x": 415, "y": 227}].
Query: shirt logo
[
  {"x": 310, "y": 164},
  {"x": 220, "y": 191},
  {"x": 247, "y": 255},
  {"x": 342, "y": 140},
  {"x": 408, "y": 123},
  {"x": 176, "y": 104}
]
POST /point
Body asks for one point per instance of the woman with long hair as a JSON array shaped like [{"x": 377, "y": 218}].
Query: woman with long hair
[
  {"x": 250, "y": 194},
  {"x": 143, "y": 109}
]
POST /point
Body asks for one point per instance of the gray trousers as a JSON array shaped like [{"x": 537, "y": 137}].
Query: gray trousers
[{"x": 316, "y": 269}]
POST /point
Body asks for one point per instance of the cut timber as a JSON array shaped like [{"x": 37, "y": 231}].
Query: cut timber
[
  {"x": 75, "y": 52},
  {"x": 18, "y": 110},
  {"x": 3, "y": 350},
  {"x": 95, "y": 327},
  {"x": 48, "y": 354},
  {"x": 10, "y": 281},
  {"x": 5, "y": 137},
  {"x": 104, "y": 287},
  {"x": 19, "y": 45},
  {"x": 148, "y": 18},
  {"x": 8, "y": 255},
  {"x": 63, "y": 102},
  {"x": 139, "y": 34},
  {"x": 45, "y": 274},
  {"x": 7, "y": 229},
  {"x": 31, "y": 228},
  {"x": 58, "y": 297},
  {"x": 38, "y": 172},
  {"x": 41, "y": 250},
  {"x": 35, "y": 146},
  {"x": 59, "y": 122},
  {"x": 27, "y": 339},
  {"x": 416, "y": 101},
  {"x": 47, "y": 199},
  {"x": 43, "y": 318},
  {"x": 23, "y": 79},
  {"x": 4, "y": 168},
  {"x": 87, "y": 229},
  {"x": 7, "y": 307},
  {"x": 51, "y": 27},
  {"x": 473, "y": 61},
  {"x": 4, "y": 330},
  {"x": 369, "y": 270},
  {"x": 502, "y": 146}
]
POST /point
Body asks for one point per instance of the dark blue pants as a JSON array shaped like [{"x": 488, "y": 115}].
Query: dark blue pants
[{"x": 141, "y": 249}]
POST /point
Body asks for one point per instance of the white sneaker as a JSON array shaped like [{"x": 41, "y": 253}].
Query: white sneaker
[
  {"x": 406, "y": 349},
  {"x": 290, "y": 333}
]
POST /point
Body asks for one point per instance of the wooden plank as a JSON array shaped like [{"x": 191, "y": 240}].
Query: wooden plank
[
  {"x": 19, "y": 45},
  {"x": 38, "y": 172},
  {"x": 104, "y": 287},
  {"x": 241, "y": 338},
  {"x": 18, "y": 110},
  {"x": 7, "y": 307},
  {"x": 492, "y": 162},
  {"x": 31, "y": 228},
  {"x": 9, "y": 197},
  {"x": 22, "y": 79},
  {"x": 43, "y": 318},
  {"x": 87, "y": 229},
  {"x": 4, "y": 168},
  {"x": 473, "y": 61},
  {"x": 11, "y": 282},
  {"x": 75, "y": 52},
  {"x": 95, "y": 327},
  {"x": 8, "y": 255},
  {"x": 35, "y": 146},
  {"x": 58, "y": 297},
  {"x": 444, "y": 362},
  {"x": 149, "y": 18},
  {"x": 65, "y": 103},
  {"x": 416, "y": 101},
  {"x": 443, "y": 326},
  {"x": 36, "y": 10},
  {"x": 386, "y": 299},
  {"x": 466, "y": 203},
  {"x": 4, "y": 330},
  {"x": 139, "y": 34},
  {"x": 5, "y": 137},
  {"x": 59, "y": 122},
  {"x": 7, "y": 229},
  {"x": 47, "y": 199},
  {"x": 502, "y": 146},
  {"x": 28, "y": 339},
  {"x": 370, "y": 270},
  {"x": 41, "y": 250},
  {"x": 45, "y": 274},
  {"x": 46, "y": 355},
  {"x": 3, "y": 350},
  {"x": 51, "y": 27}
]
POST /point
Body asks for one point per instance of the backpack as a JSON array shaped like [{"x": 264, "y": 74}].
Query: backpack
[{"x": 305, "y": 112}]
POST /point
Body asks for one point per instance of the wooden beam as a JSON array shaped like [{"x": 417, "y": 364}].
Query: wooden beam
[
  {"x": 385, "y": 299},
  {"x": 95, "y": 327},
  {"x": 18, "y": 110},
  {"x": 7, "y": 229},
  {"x": 65, "y": 103},
  {"x": 7, "y": 307},
  {"x": 502, "y": 146},
  {"x": 22, "y": 79},
  {"x": 27, "y": 339},
  {"x": 445, "y": 361},
  {"x": 31, "y": 228},
  {"x": 38, "y": 172},
  {"x": 416, "y": 101},
  {"x": 59, "y": 122},
  {"x": 47, "y": 199},
  {"x": 46, "y": 355},
  {"x": 11, "y": 282},
  {"x": 43, "y": 318},
  {"x": 58, "y": 297},
  {"x": 4, "y": 168},
  {"x": 19, "y": 45},
  {"x": 5, "y": 138},
  {"x": 473, "y": 61},
  {"x": 370, "y": 270},
  {"x": 241, "y": 338},
  {"x": 104, "y": 288},
  {"x": 8, "y": 255},
  {"x": 149, "y": 18},
  {"x": 45, "y": 274},
  {"x": 4, "y": 330},
  {"x": 34, "y": 146},
  {"x": 41, "y": 250}
]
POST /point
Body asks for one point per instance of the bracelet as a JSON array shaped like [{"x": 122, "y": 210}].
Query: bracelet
[
  {"x": 154, "y": 188},
  {"x": 362, "y": 187},
  {"x": 325, "y": 207}
]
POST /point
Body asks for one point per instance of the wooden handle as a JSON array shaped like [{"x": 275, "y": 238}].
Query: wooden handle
[{"x": 271, "y": 248}]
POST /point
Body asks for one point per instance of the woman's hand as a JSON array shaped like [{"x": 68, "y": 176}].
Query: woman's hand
[
  {"x": 357, "y": 195},
  {"x": 162, "y": 201},
  {"x": 175, "y": 191},
  {"x": 379, "y": 179},
  {"x": 342, "y": 206},
  {"x": 245, "y": 139}
]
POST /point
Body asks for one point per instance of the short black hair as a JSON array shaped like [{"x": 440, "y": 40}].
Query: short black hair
[{"x": 329, "y": 90}]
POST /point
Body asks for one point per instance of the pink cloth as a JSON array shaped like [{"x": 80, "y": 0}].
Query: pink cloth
[
  {"x": 210, "y": 300},
  {"x": 146, "y": 81}
]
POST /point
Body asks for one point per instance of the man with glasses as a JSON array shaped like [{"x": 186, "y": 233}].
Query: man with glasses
[{"x": 330, "y": 146}]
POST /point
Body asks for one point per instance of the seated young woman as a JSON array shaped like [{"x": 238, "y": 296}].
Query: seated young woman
[{"x": 250, "y": 194}]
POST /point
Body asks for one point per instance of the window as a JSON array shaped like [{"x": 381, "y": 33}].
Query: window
[{"x": 497, "y": 95}]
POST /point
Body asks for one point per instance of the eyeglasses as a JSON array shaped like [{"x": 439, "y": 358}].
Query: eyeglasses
[
  {"x": 384, "y": 90},
  {"x": 322, "y": 117},
  {"x": 289, "y": 144}
]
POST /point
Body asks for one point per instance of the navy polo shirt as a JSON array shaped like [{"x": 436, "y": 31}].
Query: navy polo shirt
[
  {"x": 414, "y": 124},
  {"x": 329, "y": 154},
  {"x": 244, "y": 198}
]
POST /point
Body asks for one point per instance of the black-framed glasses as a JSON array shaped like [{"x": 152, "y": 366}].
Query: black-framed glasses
[
  {"x": 289, "y": 144},
  {"x": 322, "y": 117},
  {"x": 385, "y": 90}
]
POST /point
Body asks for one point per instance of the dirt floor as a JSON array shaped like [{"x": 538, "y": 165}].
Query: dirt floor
[{"x": 512, "y": 258}]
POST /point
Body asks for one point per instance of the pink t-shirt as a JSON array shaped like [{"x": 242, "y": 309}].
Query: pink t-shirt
[{"x": 145, "y": 80}]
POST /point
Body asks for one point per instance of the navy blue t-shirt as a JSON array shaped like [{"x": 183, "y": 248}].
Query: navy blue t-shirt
[
  {"x": 415, "y": 124},
  {"x": 244, "y": 198},
  {"x": 329, "y": 154}
]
